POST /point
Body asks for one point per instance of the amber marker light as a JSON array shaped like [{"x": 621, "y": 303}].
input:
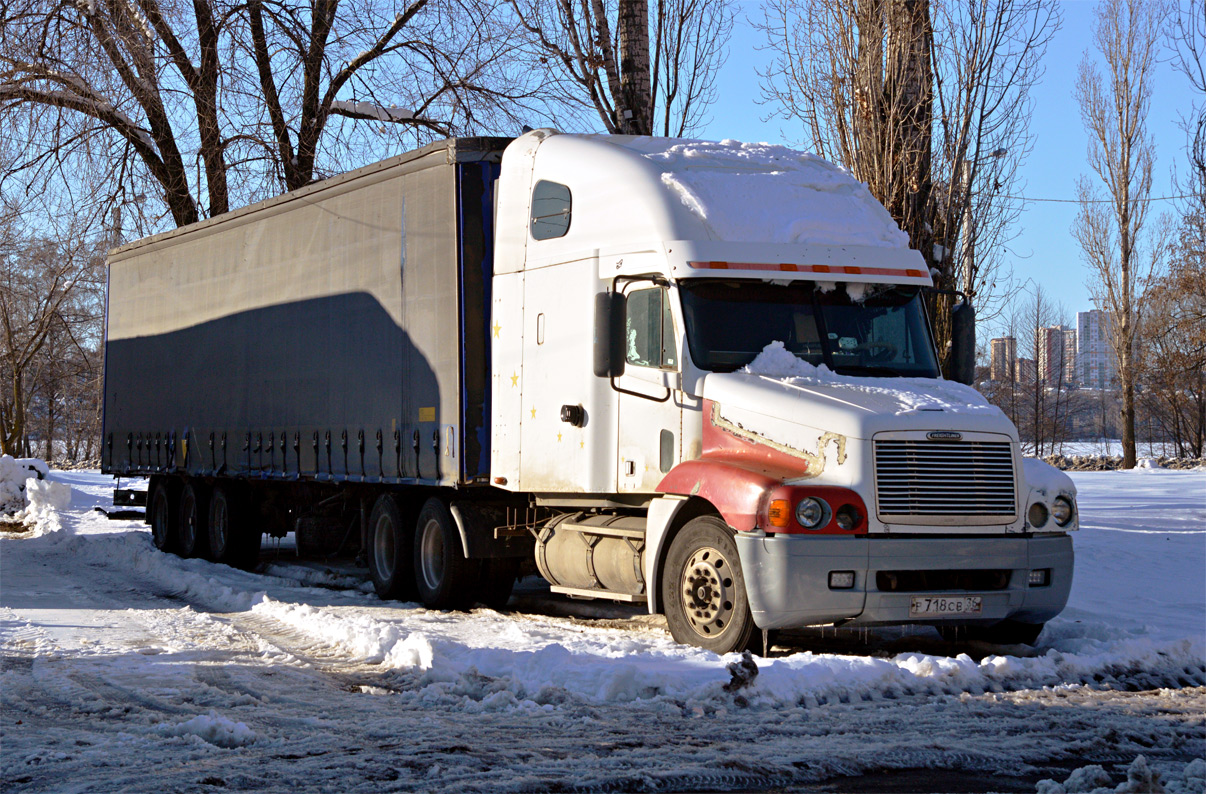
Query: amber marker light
[{"x": 779, "y": 513}]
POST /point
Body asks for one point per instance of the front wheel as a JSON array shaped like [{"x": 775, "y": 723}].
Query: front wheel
[{"x": 703, "y": 589}]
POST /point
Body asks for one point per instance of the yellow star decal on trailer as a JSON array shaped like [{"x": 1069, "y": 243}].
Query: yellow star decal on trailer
[
  {"x": 497, "y": 328},
  {"x": 514, "y": 378}
]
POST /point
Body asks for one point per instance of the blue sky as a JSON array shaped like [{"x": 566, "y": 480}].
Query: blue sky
[{"x": 1044, "y": 249}]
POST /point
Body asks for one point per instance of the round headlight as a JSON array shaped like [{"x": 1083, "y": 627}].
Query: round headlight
[
  {"x": 1037, "y": 515},
  {"x": 1062, "y": 511},
  {"x": 812, "y": 512}
]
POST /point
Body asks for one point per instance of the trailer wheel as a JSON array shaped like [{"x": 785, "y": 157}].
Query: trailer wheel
[
  {"x": 497, "y": 581},
  {"x": 389, "y": 550},
  {"x": 703, "y": 589},
  {"x": 231, "y": 538},
  {"x": 163, "y": 515},
  {"x": 444, "y": 577},
  {"x": 193, "y": 533}
]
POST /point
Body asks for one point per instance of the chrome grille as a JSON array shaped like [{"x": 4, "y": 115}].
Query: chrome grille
[{"x": 945, "y": 478}]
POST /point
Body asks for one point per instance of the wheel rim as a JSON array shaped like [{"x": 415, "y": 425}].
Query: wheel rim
[
  {"x": 159, "y": 522},
  {"x": 432, "y": 555},
  {"x": 383, "y": 547},
  {"x": 188, "y": 527},
  {"x": 218, "y": 527},
  {"x": 707, "y": 589}
]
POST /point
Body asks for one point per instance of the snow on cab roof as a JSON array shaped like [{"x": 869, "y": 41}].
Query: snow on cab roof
[{"x": 744, "y": 192}]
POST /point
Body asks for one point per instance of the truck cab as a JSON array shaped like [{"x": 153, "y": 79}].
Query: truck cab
[{"x": 712, "y": 363}]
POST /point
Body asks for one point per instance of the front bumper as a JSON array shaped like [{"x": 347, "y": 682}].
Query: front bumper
[{"x": 787, "y": 577}]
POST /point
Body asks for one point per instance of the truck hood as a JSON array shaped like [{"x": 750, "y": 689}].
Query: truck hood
[{"x": 850, "y": 406}]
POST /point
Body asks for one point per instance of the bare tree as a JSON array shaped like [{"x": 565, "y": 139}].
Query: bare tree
[
  {"x": 1171, "y": 340},
  {"x": 641, "y": 69},
  {"x": 217, "y": 103},
  {"x": 45, "y": 287},
  {"x": 1127, "y": 34},
  {"x": 1037, "y": 313},
  {"x": 928, "y": 103},
  {"x": 1189, "y": 43}
]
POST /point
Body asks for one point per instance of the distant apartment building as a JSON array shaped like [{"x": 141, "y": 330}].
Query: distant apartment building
[
  {"x": 1004, "y": 354},
  {"x": 1057, "y": 355},
  {"x": 1026, "y": 370},
  {"x": 1094, "y": 359}
]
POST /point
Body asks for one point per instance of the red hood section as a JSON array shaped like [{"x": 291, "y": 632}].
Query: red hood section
[{"x": 736, "y": 472}]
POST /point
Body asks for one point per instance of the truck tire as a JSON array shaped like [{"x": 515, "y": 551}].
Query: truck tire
[
  {"x": 444, "y": 577},
  {"x": 497, "y": 581},
  {"x": 232, "y": 539},
  {"x": 703, "y": 589},
  {"x": 163, "y": 514},
  {"x": 192, "y": 530},
  {"x": 1007, "y": 632},
  {"x": 390, "y": 540}
]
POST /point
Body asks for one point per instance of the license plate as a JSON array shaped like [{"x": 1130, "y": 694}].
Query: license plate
[{"x": 939, "y": 606}]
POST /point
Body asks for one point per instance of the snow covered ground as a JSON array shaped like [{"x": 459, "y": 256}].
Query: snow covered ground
[{"x": 124, "y": 669}]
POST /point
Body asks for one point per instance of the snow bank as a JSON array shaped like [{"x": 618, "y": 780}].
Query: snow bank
[
  {"x": 365, "y": 638},
  {"x": 771, "y": 194},
  {"x": 47, "y": 501},
  {"x": 213, "y": 728},
  {"x": 912, "y": 394},
  {"x": 14, "y": 472},
  {"x": 1141, "y": 778},
  {"x": 1134, "y": 621}
]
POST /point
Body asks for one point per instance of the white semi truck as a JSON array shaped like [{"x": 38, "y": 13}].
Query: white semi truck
[{"x": 698, "y": 376}]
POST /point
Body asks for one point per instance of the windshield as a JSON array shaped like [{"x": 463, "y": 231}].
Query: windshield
[{"x": 882, "y": 334}]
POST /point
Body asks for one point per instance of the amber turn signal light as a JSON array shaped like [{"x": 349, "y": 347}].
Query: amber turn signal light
[{"x": 779, "y": 513}]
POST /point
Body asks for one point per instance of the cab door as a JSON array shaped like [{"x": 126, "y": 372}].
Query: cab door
[{"x": 650, "y": 407}]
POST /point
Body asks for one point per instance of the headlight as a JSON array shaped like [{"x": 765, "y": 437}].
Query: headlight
[
  {"x": 1062, "y": 510},
  {"x": 812, "y": 513},
  {"x": 1037, "y": 515}
]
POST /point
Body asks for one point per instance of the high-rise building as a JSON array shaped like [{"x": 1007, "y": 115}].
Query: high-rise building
[
  {"x": 1057, "y": 355},
  {"x": 1026, "y": 370},
  {"x": 1004, "y": 354},
  {"x": 1071, "y": 377},
  {"x": 1094, "y": 358}
]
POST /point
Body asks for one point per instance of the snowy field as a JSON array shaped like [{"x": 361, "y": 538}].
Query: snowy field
[{"x": 125, "y": 669}]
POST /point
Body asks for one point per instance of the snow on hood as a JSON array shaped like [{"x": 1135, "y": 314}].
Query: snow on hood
[
  {"x": 1046, "y": 480},
  {"x": 779, "y": 384},
  {"x": 912, "y": 394},
  {"x": 771, "y": 194}
]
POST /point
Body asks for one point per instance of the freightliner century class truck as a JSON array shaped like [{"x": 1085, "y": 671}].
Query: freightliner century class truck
[{"x": 698, "y": 376}]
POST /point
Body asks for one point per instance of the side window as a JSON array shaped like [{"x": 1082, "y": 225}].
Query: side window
[
  {"x": 650, "y": 329},
  {"x": 550, "y": 210}
]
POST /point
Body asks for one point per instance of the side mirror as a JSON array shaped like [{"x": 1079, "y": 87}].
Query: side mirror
[
  {"x": 610, "y": 311},
  {"x": 963, "y": 342}
]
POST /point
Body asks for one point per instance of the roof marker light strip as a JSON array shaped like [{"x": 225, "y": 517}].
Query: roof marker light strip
[{"x": 787, "y": 267}]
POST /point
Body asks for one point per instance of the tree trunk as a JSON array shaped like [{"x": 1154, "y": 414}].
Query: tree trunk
[
  {"x": 910, "y": 84},
  {"x": 635, "y": 114}
]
